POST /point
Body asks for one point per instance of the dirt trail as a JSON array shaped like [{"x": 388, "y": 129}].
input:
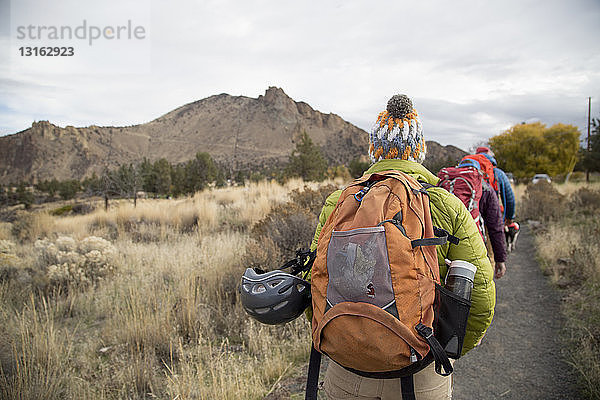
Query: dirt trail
[{"x": 520, "y": 356}]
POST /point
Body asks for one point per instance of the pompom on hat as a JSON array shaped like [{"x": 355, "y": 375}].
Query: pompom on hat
[{"x": 397, "y": 133}]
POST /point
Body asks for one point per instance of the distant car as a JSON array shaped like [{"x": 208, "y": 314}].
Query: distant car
[
  {"x": 541, "y": 177},
  {"x": 510, "y": 177}
]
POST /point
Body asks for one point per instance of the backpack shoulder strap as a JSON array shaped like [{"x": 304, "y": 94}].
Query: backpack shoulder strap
[
  {"x": 440, "y": 356},
  {"x": 369, "y": 180},
  {"x": 442, "y": 236},
  {"x": 312, "y": 382},
  {"x": 426, "y": 185}
]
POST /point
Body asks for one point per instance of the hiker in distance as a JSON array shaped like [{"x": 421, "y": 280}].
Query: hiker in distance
[
  {"x": 489, "y": 220},
  {"x": 397, "y": 145},
  {"x": 507, "y": 196},
  {"x": 494, "y": 226}
]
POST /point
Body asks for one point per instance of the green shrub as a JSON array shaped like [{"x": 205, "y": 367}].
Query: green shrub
[
  {"x": 287, "y": 228},
  {"x": 543, "y": 202},
  {"x": 69, "y": 188},
  {"x": 307, "y": 161},
  {"x": 358, "y": 167},
  {"x": 585, "y": 200},
  {"x": 262, "y": 252},
  {"x": 312, "y": 200},
  {"x": 31, "y": 226},
  {"x": 83, "y": 208},
  {"x": 339, "y": 171},
  {"x": 256, "y": 177},
  {"x": 577, "y": 176},
  {"x": 62, "y": 210},
  {"x": 8, "y": 260}
]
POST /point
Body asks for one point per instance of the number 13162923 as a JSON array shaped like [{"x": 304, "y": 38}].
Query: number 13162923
[{"x": 46, "y": 51}]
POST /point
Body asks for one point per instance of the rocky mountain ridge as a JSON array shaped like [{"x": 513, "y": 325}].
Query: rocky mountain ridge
[{"x": 238, "y": 131}]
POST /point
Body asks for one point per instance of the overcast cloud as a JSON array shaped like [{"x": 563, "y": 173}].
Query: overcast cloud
[{"x": 472, "y": 68}]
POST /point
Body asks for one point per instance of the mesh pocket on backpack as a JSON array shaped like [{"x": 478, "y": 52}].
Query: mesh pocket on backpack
[
  {"x": 358, "y": 268},
  {"x": 451, "y": 320}
]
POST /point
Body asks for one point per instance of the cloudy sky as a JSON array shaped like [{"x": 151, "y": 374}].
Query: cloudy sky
[{"x": 473, "y": 68}]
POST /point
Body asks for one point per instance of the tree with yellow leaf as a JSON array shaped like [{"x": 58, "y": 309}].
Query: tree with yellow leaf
[{"x": 529, "y": 149}]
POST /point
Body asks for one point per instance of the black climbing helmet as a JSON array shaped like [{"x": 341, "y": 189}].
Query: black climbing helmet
[{"x": 274, "y": 297}]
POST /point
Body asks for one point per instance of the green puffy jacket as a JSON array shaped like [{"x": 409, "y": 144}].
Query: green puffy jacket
[{"x": 449, "y": 213}]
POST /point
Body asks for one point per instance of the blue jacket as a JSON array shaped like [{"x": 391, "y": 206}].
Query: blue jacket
[{"x": 506, "y": 193}]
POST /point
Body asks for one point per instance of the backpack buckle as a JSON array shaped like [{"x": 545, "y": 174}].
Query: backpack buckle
[
  {"x": 422, "y": 190},
  {"x": 425, "y": 331},
  {"x": 439, "y": 232},
  {"x": 358, "y": 196}
]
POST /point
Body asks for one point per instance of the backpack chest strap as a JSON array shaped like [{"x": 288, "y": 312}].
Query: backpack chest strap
[{"x": 442, "y": 237}]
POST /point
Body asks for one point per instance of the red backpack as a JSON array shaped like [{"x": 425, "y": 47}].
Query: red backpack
[
  {"x": 487, "y": 168},
  {"x": 466, "y": 184}
]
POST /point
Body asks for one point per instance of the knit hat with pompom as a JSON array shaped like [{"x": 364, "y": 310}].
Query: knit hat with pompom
[{"x": 397, "y": 133}]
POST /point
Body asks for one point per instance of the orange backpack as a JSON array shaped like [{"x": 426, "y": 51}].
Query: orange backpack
[
  {"x": 374, "y": 279},
  {"x": 487, "y": 168}
]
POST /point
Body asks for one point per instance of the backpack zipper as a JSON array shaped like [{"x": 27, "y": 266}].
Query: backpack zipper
[
  {"x": 397, "y": 221},
  {"x": 413, "y": 355}
]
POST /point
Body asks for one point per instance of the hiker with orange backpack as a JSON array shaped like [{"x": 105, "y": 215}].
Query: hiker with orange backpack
[
  {"x": 504, "y": 189},
  {"x": 382, "y": 248},
  {"x": 466, "y": 182}
]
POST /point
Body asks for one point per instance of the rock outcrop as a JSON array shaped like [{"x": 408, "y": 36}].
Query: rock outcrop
[{"x": 239, "y": 131}]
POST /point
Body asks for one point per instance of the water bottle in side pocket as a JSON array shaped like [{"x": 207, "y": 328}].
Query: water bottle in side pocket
[
  {"x": 455, "y": 298},
  {"x": 460, "y": 277}
]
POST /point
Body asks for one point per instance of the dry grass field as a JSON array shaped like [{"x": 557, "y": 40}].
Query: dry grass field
[
  {"x": 567, "y": 236},
  {"x": 142, "y": 302}
]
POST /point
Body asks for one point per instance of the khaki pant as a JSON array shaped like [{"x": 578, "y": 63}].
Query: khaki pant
[{"x": 342, "y": 384}]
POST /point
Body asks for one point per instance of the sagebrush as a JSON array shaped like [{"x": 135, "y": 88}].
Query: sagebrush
[{"x": 142, "y": 302}]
